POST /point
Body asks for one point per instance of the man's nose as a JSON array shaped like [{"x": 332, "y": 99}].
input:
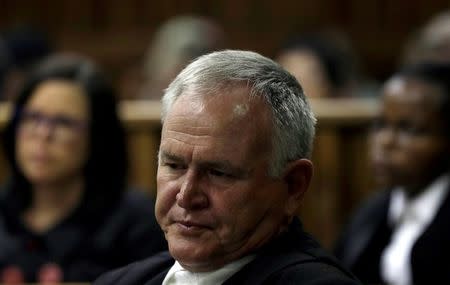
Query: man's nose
[{"x": 191, "y": 195}]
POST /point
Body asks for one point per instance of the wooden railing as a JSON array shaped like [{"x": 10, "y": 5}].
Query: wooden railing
[{"x": 341, "y": 176}]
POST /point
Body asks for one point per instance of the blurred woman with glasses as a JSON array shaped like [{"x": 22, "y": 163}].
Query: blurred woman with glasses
[{"x": 65, "y": 213}]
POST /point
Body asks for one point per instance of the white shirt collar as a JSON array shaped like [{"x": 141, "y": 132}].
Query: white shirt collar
[
  {"x": 178, "y": 275},
  {"x": 422, "y": 208},
  {"x": 409, "y": 219}
]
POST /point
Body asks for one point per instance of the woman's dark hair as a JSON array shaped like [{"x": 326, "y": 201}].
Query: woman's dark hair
[
  {"x": 437, "y": 74},
  {"x": 105, "y": 169}
]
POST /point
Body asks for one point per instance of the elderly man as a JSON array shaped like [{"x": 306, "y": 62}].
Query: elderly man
[{"x": 233, "y": 169}]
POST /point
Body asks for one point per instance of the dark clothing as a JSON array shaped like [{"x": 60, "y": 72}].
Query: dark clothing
[
  {"x": 293, "y": 258},
  {"x": 81, "y": 247},
  {"x": 362, "y": 243}
]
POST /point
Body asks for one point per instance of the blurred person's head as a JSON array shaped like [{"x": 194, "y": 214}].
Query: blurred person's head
[
  {"x": 411, "y": 138},
  {"x": 177, "y": 41},
  {"x": 64, "y": 127},
  {"x": 323, "y": 66},
  {"x": 25, "y": 47},
  {"x": 431, "y": 42},
  {"x": 233, "y": 161}
]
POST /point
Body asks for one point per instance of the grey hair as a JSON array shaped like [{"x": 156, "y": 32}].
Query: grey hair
[{"x": 293, "y": 119}]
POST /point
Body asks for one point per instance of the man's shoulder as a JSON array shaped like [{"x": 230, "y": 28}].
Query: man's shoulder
[
  {"x": 311, "y": 264},
  {"x": 138, "y": 272},
  {"x": 313, "y": 272},
  {"x": 294, "y": 257},
  {"x": 294, "y": 268}
]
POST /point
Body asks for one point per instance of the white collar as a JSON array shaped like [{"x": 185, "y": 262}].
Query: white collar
[
  {"x": 178, "y": 275},
  {"x": 423, "y": 207}
]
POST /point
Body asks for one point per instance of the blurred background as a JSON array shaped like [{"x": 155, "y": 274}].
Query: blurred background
[
  {"x": 117, "y": 33},
  {"x": 128, "y": 39}
]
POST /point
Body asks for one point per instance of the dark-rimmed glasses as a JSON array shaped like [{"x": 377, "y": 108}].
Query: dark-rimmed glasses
[{"x": 59, "y": 127}]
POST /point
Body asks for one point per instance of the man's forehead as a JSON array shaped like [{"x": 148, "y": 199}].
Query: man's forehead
[
  {"x": 220, "y": 115},
  {"x": 232, "y": 102}
]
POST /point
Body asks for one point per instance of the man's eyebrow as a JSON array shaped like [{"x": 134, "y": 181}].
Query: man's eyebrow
[
  {"x": 170, "y": 156},
  {"x": 226, "y": 166},
  {"x": 221, "y": 164}
]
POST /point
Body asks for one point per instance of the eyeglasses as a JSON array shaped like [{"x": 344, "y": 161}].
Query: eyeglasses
[{"x": 59, "y": 127}]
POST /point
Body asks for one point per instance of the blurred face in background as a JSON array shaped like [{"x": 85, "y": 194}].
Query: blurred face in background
[
  {"x": 409, "y": 147},
  {"x": 52, "y": 135},
  {"x": 306, "y": 67}
]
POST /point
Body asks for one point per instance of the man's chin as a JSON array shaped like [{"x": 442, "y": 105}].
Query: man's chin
[{"x": 195, "y": 257}]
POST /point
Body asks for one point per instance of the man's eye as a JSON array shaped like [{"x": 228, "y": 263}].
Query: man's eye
[
  {"x": 173, "y": 165},
  {"x": 218, "y": 173}
]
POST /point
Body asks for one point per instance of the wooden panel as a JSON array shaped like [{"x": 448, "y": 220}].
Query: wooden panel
[
  {"x": 142, "y": 150},
  {"x": 320, "y": 208},
  {"x": 378, "y": 29}
]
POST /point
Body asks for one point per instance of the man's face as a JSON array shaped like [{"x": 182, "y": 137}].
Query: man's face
[
  {"x": 216, "y": 201},
  {"x": 408, "y": 145}
]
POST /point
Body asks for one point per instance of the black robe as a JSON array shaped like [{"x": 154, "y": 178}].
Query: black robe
[
  {"x": 364, "y": 239},
  {"x": 81, "y": 247}
]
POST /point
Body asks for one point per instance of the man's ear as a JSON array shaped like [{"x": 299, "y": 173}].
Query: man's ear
[{"x": 297, "y": 176}]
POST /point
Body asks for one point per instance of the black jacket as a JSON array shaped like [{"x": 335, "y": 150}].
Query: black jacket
[
  {"x": 82, "y": 247},
  {"x": 293, "y": 258},
  {"x": 363, "y": 241}
]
